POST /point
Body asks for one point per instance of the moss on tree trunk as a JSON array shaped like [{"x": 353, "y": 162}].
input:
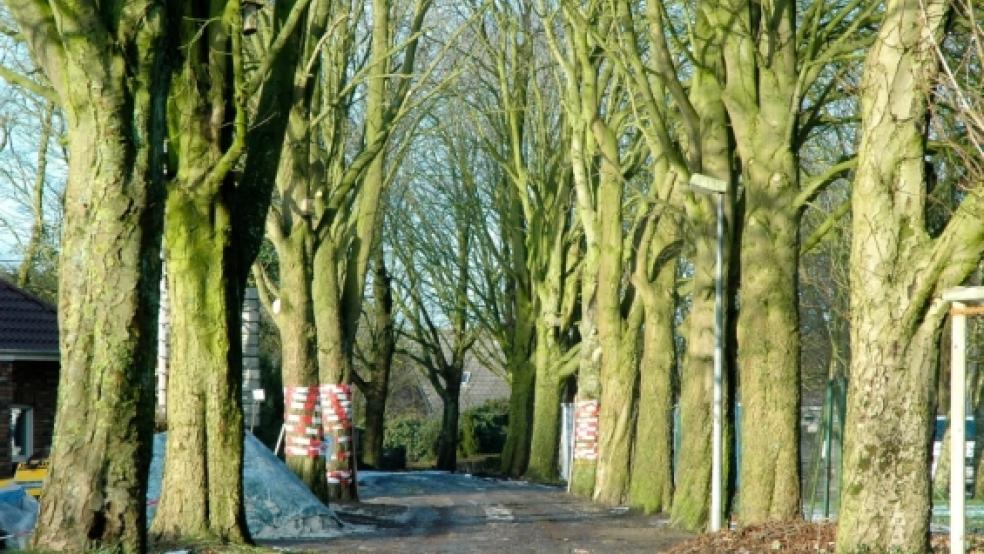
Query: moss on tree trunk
[
  {"x": 768, "y": 355},
  {"x": 95, "y": 494},
  {"x": 691, "y": 500},
  {"x": 651, "y": 483},
  {"x": 546, "y": 421},
  {"x": 896, "y": 271},
  {"x": 516, "y": 450},
  {"x": 201, "y": 493}
]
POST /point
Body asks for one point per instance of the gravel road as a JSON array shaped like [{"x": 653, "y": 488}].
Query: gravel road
[{"x": 430, "y": 511}]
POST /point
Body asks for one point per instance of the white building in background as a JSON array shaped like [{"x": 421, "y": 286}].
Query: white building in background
[{"x": 251, "y": 354}]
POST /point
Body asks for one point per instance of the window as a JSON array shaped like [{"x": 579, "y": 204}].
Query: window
[
  {"x": 21, "y": 433},
  {"x": 465, "y": 377}
]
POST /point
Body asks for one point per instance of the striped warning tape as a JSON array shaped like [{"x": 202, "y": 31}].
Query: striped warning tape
[
  {"x": 302, "y": 428},
  {"x": 586, "y": 430},
  {"x": 336, "y": 415},
  {"x": 339, "y": 477}
]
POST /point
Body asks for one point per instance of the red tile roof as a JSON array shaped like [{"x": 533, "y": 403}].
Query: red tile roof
[{"x": 27, "y": 323}]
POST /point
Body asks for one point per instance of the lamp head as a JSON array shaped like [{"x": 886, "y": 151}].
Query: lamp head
[{"x": 708, "y": 185}]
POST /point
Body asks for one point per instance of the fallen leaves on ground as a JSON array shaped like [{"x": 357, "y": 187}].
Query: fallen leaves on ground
[{"x": 789, "y": 536}]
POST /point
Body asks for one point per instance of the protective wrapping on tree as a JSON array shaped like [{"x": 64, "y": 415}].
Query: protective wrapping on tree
[
  {"x": 586, "y": 430},
  {"x": 336, "y": 407},
  {"x": 302, "y": 422}
]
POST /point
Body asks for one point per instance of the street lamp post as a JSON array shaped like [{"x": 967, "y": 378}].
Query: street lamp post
[{"x": 710, "y": 185}]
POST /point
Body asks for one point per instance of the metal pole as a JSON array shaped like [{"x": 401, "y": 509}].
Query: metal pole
[
  {"x": 718, "y": 369},
  {"x": 958, "y": 371}
]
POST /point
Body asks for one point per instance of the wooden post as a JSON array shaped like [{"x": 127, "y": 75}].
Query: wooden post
[
  {"x": 959, "y": 297},
  {"x": 958, "y": 370}
]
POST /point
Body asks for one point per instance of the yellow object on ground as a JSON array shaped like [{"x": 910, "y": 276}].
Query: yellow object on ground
[{"x": 30, "y": 477}]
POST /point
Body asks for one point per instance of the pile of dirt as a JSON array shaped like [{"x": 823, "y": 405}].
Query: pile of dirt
[{"x": 789, "y": 536}]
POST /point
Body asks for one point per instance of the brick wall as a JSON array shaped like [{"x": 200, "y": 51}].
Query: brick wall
[
  {"x": 6, "y": 398},
  {"x": 36, "y": 385}
]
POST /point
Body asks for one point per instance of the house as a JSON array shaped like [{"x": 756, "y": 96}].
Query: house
[
  {"x": 479, "y": 384},
  {"x": 28, "y": 375}
]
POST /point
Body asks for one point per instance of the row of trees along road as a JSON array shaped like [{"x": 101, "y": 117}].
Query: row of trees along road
[
  {"x": 595, "y": 261},
  {"x": 511, "y": 177}
]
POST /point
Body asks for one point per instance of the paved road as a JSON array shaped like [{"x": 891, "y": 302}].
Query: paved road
[{"x": 424, "y": 512}]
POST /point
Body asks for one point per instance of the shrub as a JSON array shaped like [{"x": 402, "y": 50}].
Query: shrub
[
  {"x": 468, "y": 444},
  {"x": 415, "y": 434},
  {"x": 486, "y": 423}
]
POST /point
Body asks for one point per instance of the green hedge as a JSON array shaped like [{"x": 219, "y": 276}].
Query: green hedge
[
  {"x": 417, "y": 435},
  {"x": 481, "y": 430}
]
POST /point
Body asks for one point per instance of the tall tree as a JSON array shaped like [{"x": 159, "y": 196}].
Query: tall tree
[
  {"x": 325, "y": 210},
  {"x": 898, "y": 270},
  {"x": 202, "y": 485},
  {"x": 776, "y": 83},
  {"x": 210, "y": 241},
  {"x": 32, "y": 251},
  {"x": 437, "y": 270},
  {"x": 373, "y": 377},
  {"x": 104, "y": 64}
]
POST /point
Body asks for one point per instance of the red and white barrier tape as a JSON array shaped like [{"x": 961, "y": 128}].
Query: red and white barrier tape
[
  {"x": 336, "y": 412},
  {"x": 341, "y": 477},
  {"x": 586, "y": 430},
  {"x": 302, "y": 422}
]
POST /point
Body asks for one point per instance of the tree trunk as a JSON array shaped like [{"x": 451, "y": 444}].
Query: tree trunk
[
  {"x": 546, "y": 430},
  {"x": 33, "y": 248},
  {"x": 588, "y": 378},
  {"x": 109, "y": 276},
  {"x": 618, "y": 360},
  {"x": 885, "y": 503},
  {"x": 769, "y": 361},
  {"x": 516, "y": 450},
  {"x": 384, "y": 347},
  {"x": 758, "y": 96},
  {"x": 299, "y": 365},
  {"x": 333, "y": 370},
  {"x": 691, "y": 501},
  {"x": 372, "y": 436},
  {"x": 447, "y": 442},
  {"x": 546, "y": 408},
  {"x": 618, "y": 415},
  {"x": 201, "y": 493},
  {"x": 651, "y": 485}
]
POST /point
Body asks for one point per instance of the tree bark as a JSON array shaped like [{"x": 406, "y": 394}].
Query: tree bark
[
  {"x": 691, "y": 501},
  {"x": 299, "y": 358},
  {"x": 651, "y": 483},
  {"x": 447, "y": 441},
  {"x": 516, "y": 450},
  {"x": 333, "y": 367},
  {"x": 588, "y": 380},
  {"x": 758, "y": 96},
  {"x": 384, "y": 347},
  {"x": 546, "y": 409},
  {"x": 616, "y": 423},
  {"x": 769, "y": 361},
  {"x": 95, "y": 493},
  {"x": 896, "y": 270},
  {"x": 712, "y": 156},
  {"x": 201, "y": 492}
]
